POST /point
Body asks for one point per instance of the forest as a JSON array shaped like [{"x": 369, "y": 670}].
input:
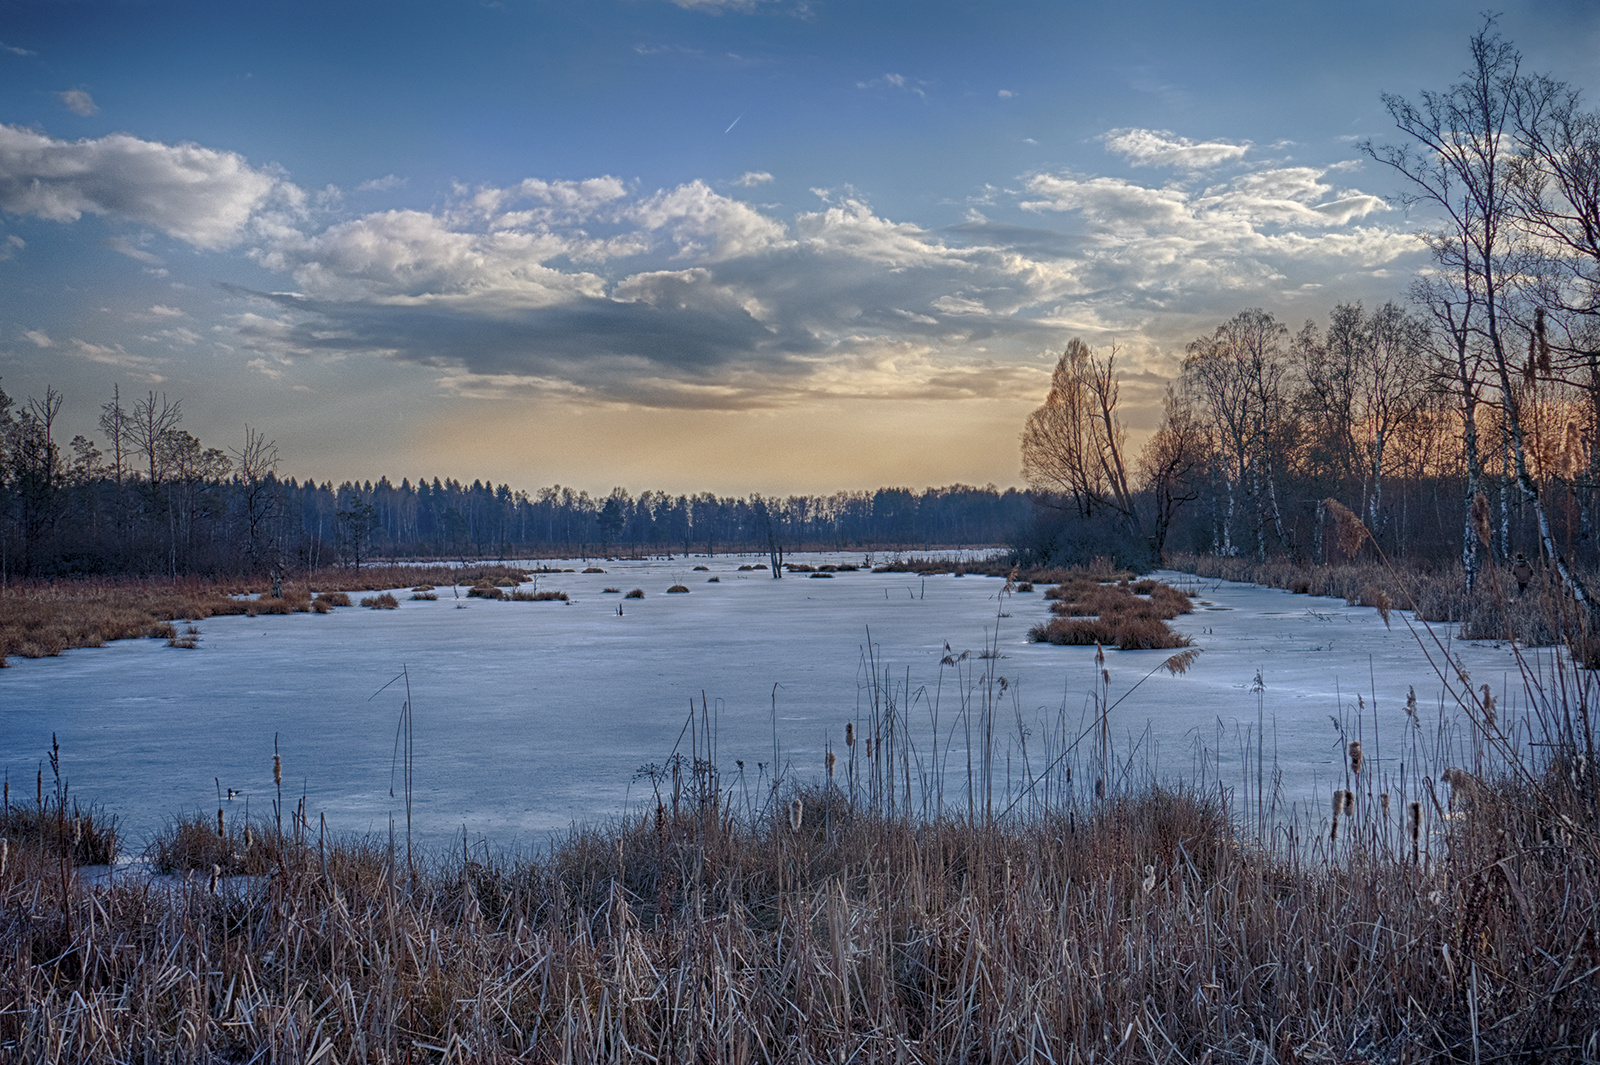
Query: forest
[
  {"x": 1459, "y": 421},
  {"x": 148, "y": 498}
]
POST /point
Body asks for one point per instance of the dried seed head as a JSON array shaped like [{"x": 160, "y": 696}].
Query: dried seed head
[
  {"x": 221, "y": 828},
  {"x": 249, "y": 839},
  {"x": 1411, "y": 700},
  {"x": 1179, "y": 663},
  {"x": 216, "y": 877},
  {"x": 849, "y": 734},
  {"x": 1415, "y": 810},
  {"x": 1099, "y": 654},
  {"x": 869, "y": 747},
  {"x": 277, "y": 770},
  {"x": 1338, "y": 806},
  {"x": 1349, "y": 802},
  {"x": 1480, "y": 518},
  {"x": 1348, "y": 527},
  {"x": 1488, "y": 706},
  {"x": 830, "y": 765},
  {"x": 1357, "y": 759},
  {"x": 797, "y": 811},
  {"x": 1383, "y": 800}
]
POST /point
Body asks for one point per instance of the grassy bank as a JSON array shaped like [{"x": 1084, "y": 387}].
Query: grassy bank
[
  {"x": 44, "y": 618},
  {"x": 1140, "y": 928}
]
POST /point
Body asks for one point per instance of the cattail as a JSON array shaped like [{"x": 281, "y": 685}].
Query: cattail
[
  {"x": 1149, "y": 883},
  {"x": 1480, "y": 518},
  {"x": 1349, "y": 802},
  {"x": 1411, "y": 703},
  {"x": 1383, "y": 801},
  {"x": 1357, "y": 759},
  {"x": 1541, "y": 341},
  {"x": 277, "y": 770},
  {"x": 1488, "y": 707},
  {"x": 216, "y": 877},
  {"x": 249, "y": 839},
  {"x": 797, "y": 810},
  {"x": 77, "y": 831},
  {"x": 221, "y": 828},
  {"x": 1415, "y": 809},
  {"x": 5, "y": 853},
  {"x": 1338, "y": 808},
  {"x": 869, "y": 748},
  {"x": 830, "y": 765},
  {"x": 849, "y": 734}
]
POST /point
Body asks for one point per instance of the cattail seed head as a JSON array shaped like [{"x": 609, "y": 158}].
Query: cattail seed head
[
  {"x": 1338, "y": 806},
  {"x": 1411, "y": 700},
  {"x": 1383, "y": 801},
  {"x": 1480, "y": 518},
  {"x": 1349, "y": 802},
  {"x": 797, "y": 812},
  {"x": 869, "y": 746},
  {"x": 830, "y": 765},
  {"x": 849, "y": 734},
  {"x": 216, "y": 877},
  {"x": 1415, "y": 810},
  {"x": 249, "y": 839},
  {"x": 221, "y": 827},
  {"x": 1357, "y": 759},
  {"x": 1488, "y": 706},
  {"x": 277, "y": 770}
]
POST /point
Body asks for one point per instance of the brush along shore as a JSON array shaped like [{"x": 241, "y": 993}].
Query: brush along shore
[
  {"x": 43, "y": 618},
  {"x": 1143, "y": 927}
]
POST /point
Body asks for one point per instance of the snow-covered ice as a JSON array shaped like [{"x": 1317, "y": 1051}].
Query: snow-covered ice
[{"x": 532, "y": 716}]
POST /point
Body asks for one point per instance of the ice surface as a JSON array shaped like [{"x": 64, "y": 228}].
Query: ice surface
[{"x": 532, "y": 716}]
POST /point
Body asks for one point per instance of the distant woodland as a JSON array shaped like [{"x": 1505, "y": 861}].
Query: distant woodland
[{"x": 146, "y": 497}]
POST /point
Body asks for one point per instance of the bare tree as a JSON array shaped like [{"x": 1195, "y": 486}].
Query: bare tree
[
  {"x": 1169, "y": 464},
  {"x": 150, "y": 427},
  {"x": 1073, "y": 445},
  {"x": 1459, "y": 161},
  {"x": 257, "y": 466},
  {"x": 114, "y": 423}
]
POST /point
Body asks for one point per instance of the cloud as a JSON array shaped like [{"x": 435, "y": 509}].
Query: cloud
[
  {"x": 14, "y": 50},
  {"x": 1158, "y": 147},
  {"x": 11, "y": 245},
  {"x": 751, "y": 178},
  {"x": 895, "y": 81},
  {"x": 383, "y": 184},
  {"x": 1006, "y": 94},
  {"x": 163, "y": 311},
  {"x": 39, "y": 338},
  {"x": 202, "y": 196},
  {"x": 78, "y": 101},
  {"x": 123, "y": 246},
  {"x": 114, "y": 355}
]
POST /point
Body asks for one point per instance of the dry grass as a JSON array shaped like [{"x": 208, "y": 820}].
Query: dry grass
[
  {"x": 1129, "y": 616},
  {"x": 678, "y": 589},
  {"x": 385, "y": 601},
  {"x": 1140, "y": 929},
  {"x": 539, "y": 597},
  {"x": 44, "y": 618},
  {"x": 637, "y": 593}
]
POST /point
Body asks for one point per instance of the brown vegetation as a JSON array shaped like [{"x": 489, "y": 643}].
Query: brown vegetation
[
  {"x": 678, "y": 589},
  {"x": 385, "y": 601},
  {"x": 1129, "y": 616}
]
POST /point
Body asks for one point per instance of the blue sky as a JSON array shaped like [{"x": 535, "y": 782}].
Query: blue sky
[{"x": 693, "y": 245}]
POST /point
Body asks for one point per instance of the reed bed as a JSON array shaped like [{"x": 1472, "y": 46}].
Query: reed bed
[{"x": 1141, "y": 928}]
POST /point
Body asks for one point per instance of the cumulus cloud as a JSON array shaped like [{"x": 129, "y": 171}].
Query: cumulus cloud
[
  {"x": 1158, "y": 147},
  {"x": 752, "y": 178},
  {"x": 78, "y": 101},
  {"x": 202, "y": 196}
]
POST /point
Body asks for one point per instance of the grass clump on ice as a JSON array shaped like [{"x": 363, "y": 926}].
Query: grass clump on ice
[
  {"x": 385, "y": 601},
  {"x": 637, "y": 593},
  {"x": 1127, "y": 615},
  {"x": 678, "y": 589},
  {"x": 539, "y": 597}
]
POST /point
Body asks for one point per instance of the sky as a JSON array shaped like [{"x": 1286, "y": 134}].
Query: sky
[{"x": 688, "y": 245}]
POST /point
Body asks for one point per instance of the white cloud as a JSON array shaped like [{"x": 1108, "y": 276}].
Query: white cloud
[
  {"x": 114, "y": 355},
  {"x": 751, "y": 178},
  {"x": 78, "y": 101},
  {"x": 123, "y": 246},
  {"x": 14, "y": 50},
  {"x": 1158, "y": 147},
  {"x": 161, "y": 310},
  {"x": 895, "y": 81},
  {"x": 383, "y": 184},
  {"x": 1006, "y": 94},
  {"x": 202, "y": 196},
  {"x": 11, "y": 245},
  {"x": 40, "y": 338}
]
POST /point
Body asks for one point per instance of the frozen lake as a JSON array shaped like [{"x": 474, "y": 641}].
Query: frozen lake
[{"x": 532, "y": 716}]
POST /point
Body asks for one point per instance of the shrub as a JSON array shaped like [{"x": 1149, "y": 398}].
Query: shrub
[
  {"x": 82, "y": 835},
  {"x": 714, "y": 580},
  {"x": 798, "y": 567},
  {"x": 478, "y": 591},
  {"x": 320, "y": 606},
  {"x": 702, "y": 569},
  {"x": 423, "y": 588},
  {"x": 380, "y": 602},
  {"x": 594, "y": 569},
  {"x": 678, "y": 589},
  {"x": 539, "y": 597},
  {"x": 610, "y": 591},
  {"x": 1025, "y": 586},
  {"x": 333, "y": 598},
  {"x": 759, "y": 565},
  {"x": 637, "y": 593},
  {"x": 423, "y": 595},
  {"x": 823, "y": 576},
  {"x": 744, "y": 567}
]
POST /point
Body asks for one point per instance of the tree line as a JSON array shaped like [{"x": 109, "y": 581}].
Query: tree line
[
  {"x": 1461, "y": 423},
  {"x": 147, "y": 497}
]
